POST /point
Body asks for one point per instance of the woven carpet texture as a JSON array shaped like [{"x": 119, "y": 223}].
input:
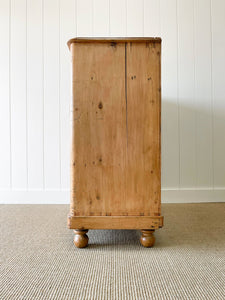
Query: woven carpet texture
[{"x": 39, "y": 260}]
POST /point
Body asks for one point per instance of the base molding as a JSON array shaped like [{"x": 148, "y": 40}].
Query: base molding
[
  {"x": 55, "y": 196},
  {"x": 114, "y": 222}
]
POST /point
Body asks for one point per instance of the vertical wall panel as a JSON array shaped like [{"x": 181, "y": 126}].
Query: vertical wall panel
[
  {"x": 5, "y": 148},
  {"x": 218, "y": 67},
  {"x": 34, "y": 95},
  {"x": 170, "y": 101},
  {"x": 186, "y": 83},
  {"x": 152, "y": 18},
  {"x": 135, "y": 18},
  {"x": 101, "y": 17},
  {"x": 67, "y": 31},
  {"x": 118, "y": 18},
  {"x": 84, "y": 17},
  {"x": 35, "y": 85},
  {"x": 52, "y": 164},
  {"x": 203, "y": 92},
  {"x": 18, "y": 94}
]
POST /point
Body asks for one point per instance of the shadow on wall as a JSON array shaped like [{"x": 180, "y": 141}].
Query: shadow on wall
[{"x": 193, "y": 144}]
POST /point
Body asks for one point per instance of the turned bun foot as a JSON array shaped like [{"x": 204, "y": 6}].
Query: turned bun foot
[
  {"x": 80, "y": 238},
  {"x": 147, "y": 238}
]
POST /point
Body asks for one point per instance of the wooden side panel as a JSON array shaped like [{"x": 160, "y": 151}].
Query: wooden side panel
[
  {"x": 116, "y": 129},
  {"x": 99, "y": 129},
  {"x": 143, "y": 128}
]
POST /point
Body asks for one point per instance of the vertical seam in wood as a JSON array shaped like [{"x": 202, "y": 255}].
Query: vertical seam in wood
[
  {"x": 126, "y": 91},
  {"x": 160, "y": 129},
  {"x": 126, "y": 152}
]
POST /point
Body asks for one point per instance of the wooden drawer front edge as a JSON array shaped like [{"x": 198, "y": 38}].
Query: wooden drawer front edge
[{"x": 114, "y": 222}]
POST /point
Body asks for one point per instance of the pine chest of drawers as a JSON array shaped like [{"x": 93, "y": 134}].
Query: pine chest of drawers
[{"x": 116, "y": 140}]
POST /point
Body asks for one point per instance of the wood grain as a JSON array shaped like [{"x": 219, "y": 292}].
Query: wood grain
[
  {"x": 113, "y": 39},
  {"x": 143, "y": 118},
  {"x": 116, "y": 121},
  {"x": 99, "y": 130},
  {"x": 114, "y": 222}
]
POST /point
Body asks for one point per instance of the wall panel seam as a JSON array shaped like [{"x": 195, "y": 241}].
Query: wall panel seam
[
  {"x": 160, "y": 30},
  {"x": 26, "y": 105},
  {"x": 43, "y": 96},
  {"x": 59, "y": 100},
  {"x": 194, "y": 90},
  {"x": 76, "y": 15},
  {"x": 10, "y": 104},
  {"x": 178, "y": 102},
  {"x": 143, "y": 17},
  {"x": 212, "y": 98},
  {"x": 126, "y": 17},
  {"x": 109, "y": 3},
  {"x": 92, "y": 17}
]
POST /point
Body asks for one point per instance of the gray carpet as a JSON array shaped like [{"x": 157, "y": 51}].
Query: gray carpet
[{"x": 39, "y": 260}]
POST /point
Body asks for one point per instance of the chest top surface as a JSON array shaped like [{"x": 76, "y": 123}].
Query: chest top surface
[{"x": 113, "y": 40}]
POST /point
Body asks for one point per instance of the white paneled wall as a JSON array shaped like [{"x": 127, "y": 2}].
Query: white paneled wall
[{"x": 35, "y": 91}]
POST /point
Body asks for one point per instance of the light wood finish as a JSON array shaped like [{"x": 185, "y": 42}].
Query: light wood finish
[
  {"x": 80, "y": 238},
  {"x": 116, "y": 120},
  {"x": 147, "y": 238},
  {"x": 112, "y": 40},
  {"x": 121, "y": 222},
  {"x": 143, "y": 134}
]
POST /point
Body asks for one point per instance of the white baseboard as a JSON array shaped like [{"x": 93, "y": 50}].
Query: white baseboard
[
  {"x": 35, "y": 197},
  {"x": 63, "y": 196},
  {"x": 193, "y": 195}
]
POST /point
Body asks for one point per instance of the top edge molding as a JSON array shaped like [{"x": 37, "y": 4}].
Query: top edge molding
[{"x": 113, "y": 40}]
